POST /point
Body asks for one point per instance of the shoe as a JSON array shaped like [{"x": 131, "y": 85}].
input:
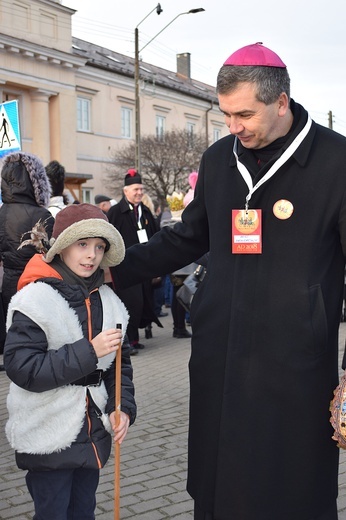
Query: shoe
[
  {"x": 133, "y": 351},
  {"x": 2, "y": 368},
  {"x": 167, "y": 305},
  {"x": 148, "y": 332},
  {"x": 138, "y": 346},
  {"x": 181, "y": 333},
  {"x": 162, "y": 314}
]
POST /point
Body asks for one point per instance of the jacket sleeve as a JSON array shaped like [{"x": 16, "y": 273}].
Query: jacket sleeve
[
  {"x": 169, "y": 249},
  {"x": 128, "y": 404},
  {"x": 30, "y": 365}
]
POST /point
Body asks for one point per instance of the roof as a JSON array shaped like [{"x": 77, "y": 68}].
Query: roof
[
  {"x": 107, "y": 59},
  {"x": 77, "y": 178}
]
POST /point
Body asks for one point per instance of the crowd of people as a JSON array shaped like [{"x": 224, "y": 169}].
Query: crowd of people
[
  {"x": 36, "y": 193},
  {"x": 268, "y": 209},
  {"x": 55, "y": 256}
]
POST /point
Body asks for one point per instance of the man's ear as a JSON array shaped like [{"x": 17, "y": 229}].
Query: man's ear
[{"x": 283, "y": 104}]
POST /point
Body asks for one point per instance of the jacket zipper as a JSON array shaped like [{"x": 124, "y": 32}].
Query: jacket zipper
[{"x": 88, "y": 307}]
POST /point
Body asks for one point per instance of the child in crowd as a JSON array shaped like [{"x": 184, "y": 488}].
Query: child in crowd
[{"x": 59, "y": 353}]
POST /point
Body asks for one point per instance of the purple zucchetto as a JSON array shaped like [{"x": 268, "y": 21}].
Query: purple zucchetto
[{"x": 255, "y": 55}]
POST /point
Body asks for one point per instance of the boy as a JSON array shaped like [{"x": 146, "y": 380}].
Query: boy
[{"x": 59, "y": 353}]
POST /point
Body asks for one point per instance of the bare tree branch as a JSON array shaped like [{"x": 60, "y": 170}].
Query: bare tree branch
[{"x": 166, "y": 163}]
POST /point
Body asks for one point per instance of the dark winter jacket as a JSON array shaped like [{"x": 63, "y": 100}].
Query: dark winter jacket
[
  {"x": 139, "y": 299},
  {"x": 55, "y": 421},
  {"x": 25, "y": 192},
  {"x": 122, "y": 217},
  {"x": 264, "y": 359}
]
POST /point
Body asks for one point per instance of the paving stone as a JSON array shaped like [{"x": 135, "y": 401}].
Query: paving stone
[{"x": 154, "y": 454}]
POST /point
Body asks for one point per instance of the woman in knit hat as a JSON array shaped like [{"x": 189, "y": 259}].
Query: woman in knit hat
[{"x": 59, "y": 353}]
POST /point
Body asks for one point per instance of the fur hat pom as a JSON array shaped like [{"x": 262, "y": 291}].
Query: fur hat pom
[{"x": 56, "y": 175}]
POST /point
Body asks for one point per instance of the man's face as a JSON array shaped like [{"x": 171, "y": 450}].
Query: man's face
[
  {"x": 255, "y": 124},
  {"x": 134, "y": 193},
  {"x": 105, "y": 205}
]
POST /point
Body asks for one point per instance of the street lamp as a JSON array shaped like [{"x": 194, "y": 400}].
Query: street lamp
[
  {"x": 137, "y": 105},
  {"x": 137, "y": 100}
]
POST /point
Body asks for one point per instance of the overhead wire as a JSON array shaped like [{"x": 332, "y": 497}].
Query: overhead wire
[{"x": 95, "y": 30}]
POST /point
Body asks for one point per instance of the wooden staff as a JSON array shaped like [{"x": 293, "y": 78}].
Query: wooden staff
[{"x": 117, "y": 421}]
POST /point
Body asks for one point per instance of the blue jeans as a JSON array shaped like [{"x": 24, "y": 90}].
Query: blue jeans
[
  {"x": 168, "y": 290},
  {"x": 66, "y": 494}
]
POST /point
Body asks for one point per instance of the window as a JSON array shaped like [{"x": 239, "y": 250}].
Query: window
[
  {"x": 190, "y": 128},
  {"x": 126, "y": 122},
  {"x": 216, "y": 134},
  {"x": 83, "y": 114},
  {"x": 160, "y": 127},
  {"x": 86, "y": 194}
]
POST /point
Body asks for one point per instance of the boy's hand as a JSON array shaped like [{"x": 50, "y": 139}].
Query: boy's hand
[
  {"x": 120, "y": 431},
  {"x": 106, "y": 342}
]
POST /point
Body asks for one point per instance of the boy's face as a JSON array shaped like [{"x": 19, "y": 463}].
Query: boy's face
[{"x": 84, "y": 256}]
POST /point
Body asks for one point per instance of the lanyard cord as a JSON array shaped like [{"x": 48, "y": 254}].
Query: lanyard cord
[{"x": 274, "y": 168}]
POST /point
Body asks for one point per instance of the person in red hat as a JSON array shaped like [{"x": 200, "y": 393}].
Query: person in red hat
[
  {"x": 270, "y": 206},
  {"x": 136, "y": 224},
  {"x": 63, "y": 336}
]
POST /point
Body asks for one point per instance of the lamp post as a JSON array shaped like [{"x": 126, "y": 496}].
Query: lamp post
[
  {"x": 137, "y": 106},
  {"x": 137, "y": 98}
]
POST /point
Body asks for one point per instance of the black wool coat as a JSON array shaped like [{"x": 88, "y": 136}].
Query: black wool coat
[
  {"x": 25, "y": 192},
  {"x": 137, "y": 299},
  {"x": 264, "y": 359}
]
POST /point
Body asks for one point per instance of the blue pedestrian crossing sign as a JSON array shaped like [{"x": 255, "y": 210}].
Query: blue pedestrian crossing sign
[{"x": 9, "y": 128}]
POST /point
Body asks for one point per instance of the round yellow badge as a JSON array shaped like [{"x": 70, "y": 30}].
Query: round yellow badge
[{"x": 283, "y": 209}]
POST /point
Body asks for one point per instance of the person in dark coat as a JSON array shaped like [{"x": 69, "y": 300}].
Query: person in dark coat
[
  {"x": 264, "y": 359},
  {"x": 63, "y": 335},
  {"x": 104, "y": 202},
  {"x": 136, "y": 224},
  {"x": 176, "y": 205},
  {"x": 25, "y": 191}
]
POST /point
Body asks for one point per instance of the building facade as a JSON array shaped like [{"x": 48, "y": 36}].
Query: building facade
[{"x": 77, "y": 100}]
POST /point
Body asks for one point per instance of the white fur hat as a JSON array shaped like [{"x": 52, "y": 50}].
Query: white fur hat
[{"x": 78, "y": 221}]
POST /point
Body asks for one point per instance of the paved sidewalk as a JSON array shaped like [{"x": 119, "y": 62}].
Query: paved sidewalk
[{"x": 153, "y": 456}]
